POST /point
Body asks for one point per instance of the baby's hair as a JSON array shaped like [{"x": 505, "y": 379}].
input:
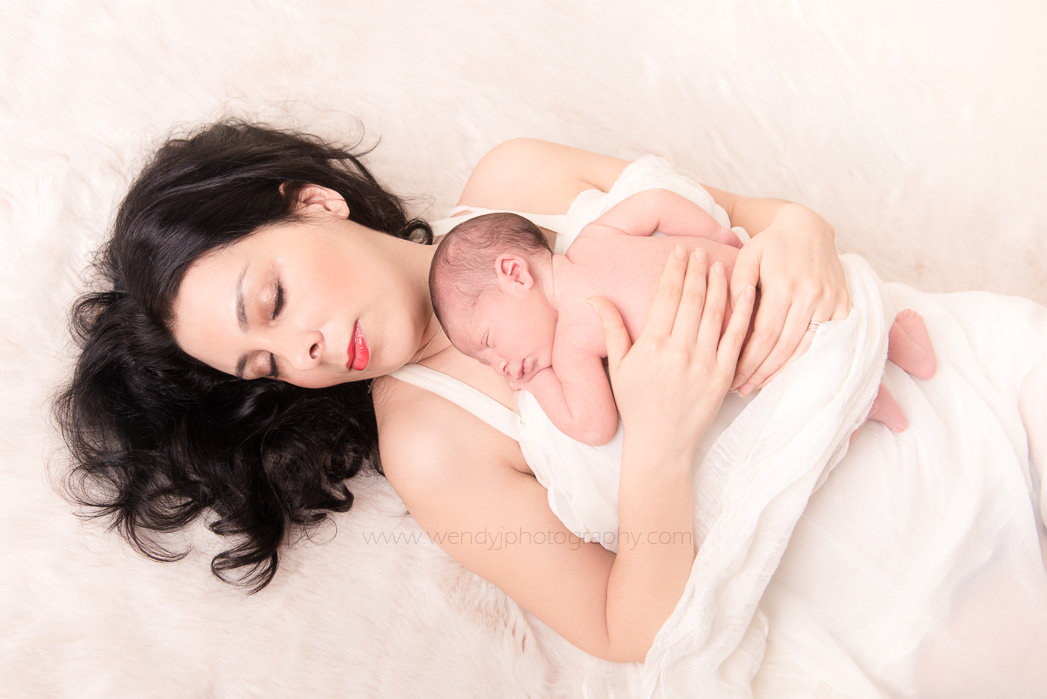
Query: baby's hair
[{"x": 464, "y": 262}]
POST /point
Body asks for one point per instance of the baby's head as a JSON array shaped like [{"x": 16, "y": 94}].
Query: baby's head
[{"x": 486, "y": 290}]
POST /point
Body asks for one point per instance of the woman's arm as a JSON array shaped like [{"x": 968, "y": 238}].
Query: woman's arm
[
  {"x": 539, "y": 177},
  {"x": 669, "y": 386},
  {"x": 458, "y": 477},
  {"x": 469, "y": 497}
]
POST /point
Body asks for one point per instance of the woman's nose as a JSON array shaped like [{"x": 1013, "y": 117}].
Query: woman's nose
[{"x": 305, "y": 350}]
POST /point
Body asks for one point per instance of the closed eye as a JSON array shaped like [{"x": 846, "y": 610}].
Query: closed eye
[
  {"x": 278, "y": 305},
  {"x": 278, "y": 302}
]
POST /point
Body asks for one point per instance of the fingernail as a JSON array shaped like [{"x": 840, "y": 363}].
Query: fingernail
[
  {"x": 747, "y": 389},
  {"x": 680, "y": 252},
  {"x": 738, "y": 379},
  {"x": 718, "y": 267},
  {"x": 750, "y": 292}
]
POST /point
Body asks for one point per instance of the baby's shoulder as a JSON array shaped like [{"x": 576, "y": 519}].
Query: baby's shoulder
[{"x": 591, "y": 251}]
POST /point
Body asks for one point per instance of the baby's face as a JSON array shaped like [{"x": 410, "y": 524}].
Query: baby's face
[{"x": 512, "y": 333}]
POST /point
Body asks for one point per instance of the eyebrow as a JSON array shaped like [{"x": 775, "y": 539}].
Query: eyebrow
[
  {"x": 241, "y": 319},
  {"x": 241, "y": 312}
]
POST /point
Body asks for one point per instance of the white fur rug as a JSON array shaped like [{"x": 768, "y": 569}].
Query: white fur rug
[{"x": 919, "y": 136}]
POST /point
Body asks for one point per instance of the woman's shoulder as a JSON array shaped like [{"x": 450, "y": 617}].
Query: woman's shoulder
[
  {"x": 525, "y": 174},
  {"x": 422, "y": 434}
]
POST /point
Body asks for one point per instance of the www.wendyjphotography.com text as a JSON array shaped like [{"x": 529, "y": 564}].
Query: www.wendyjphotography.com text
[{"x": 503, "y": 538}]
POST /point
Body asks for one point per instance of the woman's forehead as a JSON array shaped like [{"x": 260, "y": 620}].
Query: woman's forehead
[{"x": 204, "y": 313}]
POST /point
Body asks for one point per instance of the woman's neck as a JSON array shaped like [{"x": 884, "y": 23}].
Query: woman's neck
[
  {"x": 436, "y": 344},
  {"x": 432, "y": 339}
]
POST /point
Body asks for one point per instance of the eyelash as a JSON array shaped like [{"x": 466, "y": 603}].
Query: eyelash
[{"x": 278, "y": 304}]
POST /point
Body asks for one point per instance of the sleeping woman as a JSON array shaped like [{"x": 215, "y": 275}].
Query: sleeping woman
[{"x": 266, "y": 332}]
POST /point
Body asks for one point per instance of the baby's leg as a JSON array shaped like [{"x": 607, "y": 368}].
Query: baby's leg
[
  {"x": 909, "y": 345},
  {"x": 885, "y": 409}
]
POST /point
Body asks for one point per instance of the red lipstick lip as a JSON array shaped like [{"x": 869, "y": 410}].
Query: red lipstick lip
[{"x": 358, "y": 353}]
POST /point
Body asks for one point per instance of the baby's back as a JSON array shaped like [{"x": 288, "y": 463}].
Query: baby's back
[{"x": 625, "y": 270}]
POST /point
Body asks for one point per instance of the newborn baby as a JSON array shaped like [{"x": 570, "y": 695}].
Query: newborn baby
[{"x": 504, "y": 298}]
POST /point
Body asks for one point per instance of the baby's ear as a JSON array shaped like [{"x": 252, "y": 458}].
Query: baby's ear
[{"x": 514, "y": 273}]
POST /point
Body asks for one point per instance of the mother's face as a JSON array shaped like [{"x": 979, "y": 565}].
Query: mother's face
[{"x": 315, "y": 302}]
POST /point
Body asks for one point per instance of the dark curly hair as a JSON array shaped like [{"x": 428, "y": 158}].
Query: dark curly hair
[{"x": 158, "y": 438}]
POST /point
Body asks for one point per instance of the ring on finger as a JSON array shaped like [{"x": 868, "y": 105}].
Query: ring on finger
[{"x": 813, "y": 325}]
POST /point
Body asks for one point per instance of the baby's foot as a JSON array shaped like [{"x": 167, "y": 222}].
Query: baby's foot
[
  {"x": 909, "y": 345},
  {"x": 885, "y": 409}
]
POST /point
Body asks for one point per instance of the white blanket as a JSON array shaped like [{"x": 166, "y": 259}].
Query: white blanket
[
  {"x": 928, "y": 157},
  {"x": 751, "y": 489},
  {"x": 918, "y": 566}
]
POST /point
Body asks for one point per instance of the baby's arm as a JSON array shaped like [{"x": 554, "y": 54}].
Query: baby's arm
[
  {"x": 662, "y": 211},
  {"x": 576, "y": 396}
]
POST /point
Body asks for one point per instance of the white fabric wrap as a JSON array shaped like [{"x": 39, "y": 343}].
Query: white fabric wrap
[{"x": 751, "y": 489}]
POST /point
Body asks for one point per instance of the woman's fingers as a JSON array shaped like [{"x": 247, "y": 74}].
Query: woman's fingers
[
  {"x": 693, "y": 302},
  {"x": 838, "y": 310},
  {"x": 715, "y": 307},
  {"x": 615, "y": 334},
  {"x": 737, "y": 327},
  {"x": 670, "y": 383},
  {"x": 805, "y": 343},
  {"x": 797, "y": 321},
  {"x": 800, "y": 279},
  {"x": 746, "y": 270},
  {"x": 766, "y": 331},
  {"x": 662, "y": 314}
]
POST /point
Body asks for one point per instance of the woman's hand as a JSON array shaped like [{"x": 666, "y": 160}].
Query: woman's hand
[
  {"x": 670, "y": 383},
  {"x": 801, "y": 280}
]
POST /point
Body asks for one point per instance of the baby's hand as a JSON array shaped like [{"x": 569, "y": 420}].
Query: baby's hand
[
  {"x": 522, "y": 385},
  {"x": 727, "y": 237},
  {"x": 527, "y": 385}
]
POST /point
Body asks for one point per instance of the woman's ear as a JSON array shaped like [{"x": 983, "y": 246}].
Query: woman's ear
[
  {"x": 514, "y": 273},
  {"x": 319, "y": 198}
]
